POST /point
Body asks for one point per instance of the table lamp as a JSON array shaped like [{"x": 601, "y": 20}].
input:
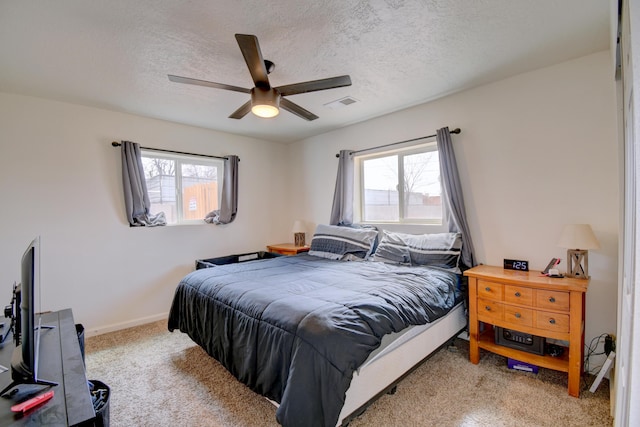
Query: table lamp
[
  {"x": 578, "y": 238},
  {"x": 298, "y": 233}
]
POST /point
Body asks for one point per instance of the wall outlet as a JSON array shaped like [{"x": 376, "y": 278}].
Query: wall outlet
[{"x": 609, "y": 344}]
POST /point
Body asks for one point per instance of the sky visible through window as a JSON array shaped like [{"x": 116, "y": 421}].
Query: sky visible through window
[{"x": 422, "y": 169}]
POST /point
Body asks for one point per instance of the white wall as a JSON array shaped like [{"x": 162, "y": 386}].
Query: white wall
[
  {"x": 60, "y": 178},
  {"x": 536, "y": 151}
]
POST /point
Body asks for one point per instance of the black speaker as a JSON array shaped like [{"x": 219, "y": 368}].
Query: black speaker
[{"x": 519, "y": 340}]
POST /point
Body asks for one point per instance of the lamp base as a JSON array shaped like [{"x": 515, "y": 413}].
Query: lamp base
[
  {"x": 298, "y": 239},
  {"x": 578, "y": 263}
]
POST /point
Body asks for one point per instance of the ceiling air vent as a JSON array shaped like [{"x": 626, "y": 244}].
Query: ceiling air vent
[{"x": 340, "y": 103}]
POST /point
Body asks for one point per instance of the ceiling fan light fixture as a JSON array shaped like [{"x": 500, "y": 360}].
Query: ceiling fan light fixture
[
  {"x": 265, "y": 103},
  {"x": 265, "y": 111},
  {"x": 265, "y": 100}
]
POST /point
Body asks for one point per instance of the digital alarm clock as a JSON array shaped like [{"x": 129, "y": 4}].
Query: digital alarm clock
[{"x": 516, "y": 264}]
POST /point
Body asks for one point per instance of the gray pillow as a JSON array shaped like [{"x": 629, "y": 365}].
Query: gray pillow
[
  {"x": 342, "y": 242},
  {"x": 434, "y": 250},
  {"x": 392, "y": 249}
]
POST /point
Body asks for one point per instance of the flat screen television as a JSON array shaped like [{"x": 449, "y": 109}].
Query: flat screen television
[{"x": 24, "y": 361}]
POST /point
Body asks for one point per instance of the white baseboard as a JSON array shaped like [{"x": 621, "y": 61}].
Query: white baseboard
[{"x": 124, "y": 325}]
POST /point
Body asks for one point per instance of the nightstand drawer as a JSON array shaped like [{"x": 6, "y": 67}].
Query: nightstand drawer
[
  {"x": 553, "y": 300},
  {"x": 552, "y": 321},
  {"x": 518, "y": 315},
  {"x": 518, "y": 295},
  {"x": 490, "y": 290},
  {"x": 490, "y": 309}
]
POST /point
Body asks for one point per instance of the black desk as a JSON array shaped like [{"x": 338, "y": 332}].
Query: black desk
[{"x": 60, "y": 361}]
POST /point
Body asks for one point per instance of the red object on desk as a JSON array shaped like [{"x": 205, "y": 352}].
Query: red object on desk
[{"x": 33, "y": 402}]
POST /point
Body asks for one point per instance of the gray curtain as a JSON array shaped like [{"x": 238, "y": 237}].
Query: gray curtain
[
  {"x": 136, "y": 198},
  {"x": 342, "y": 210},
  {"x": 454, "y": 202},
  {"x": 229, "y": 205}
]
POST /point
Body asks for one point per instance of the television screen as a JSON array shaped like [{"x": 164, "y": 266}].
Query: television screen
[
  {"x": 24, "y": 362},
  {"x": 30, "y": 279}
]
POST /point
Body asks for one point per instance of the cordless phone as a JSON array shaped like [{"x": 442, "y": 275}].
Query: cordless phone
[{"x": 552, "y": 264}]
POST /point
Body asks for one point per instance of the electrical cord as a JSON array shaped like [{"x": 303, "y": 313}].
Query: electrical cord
[{"x": 592, "y": 350}]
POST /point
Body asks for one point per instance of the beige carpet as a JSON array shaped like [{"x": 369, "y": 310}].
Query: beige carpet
[{"x": 158, "y": 378}]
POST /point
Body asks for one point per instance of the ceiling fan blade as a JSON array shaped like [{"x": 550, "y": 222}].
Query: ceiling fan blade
[
  {"x": 242, "y": 111},
  {"x": 253, "y": 57},
  {"x": 296, "y": 109},
  {"x": 189, "y": 81},
  {"x": 314, "y": 85}
]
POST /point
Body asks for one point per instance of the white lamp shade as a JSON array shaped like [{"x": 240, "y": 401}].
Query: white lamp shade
[
  {"x": 578, "y": 236},
  {"x": 298, "y": 227}
]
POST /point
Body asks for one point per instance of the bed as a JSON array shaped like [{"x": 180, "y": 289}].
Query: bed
[{"x": 322, "y": 336}]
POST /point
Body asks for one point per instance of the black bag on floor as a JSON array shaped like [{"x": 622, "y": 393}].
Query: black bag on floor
[{"x": 100, "y": 396}]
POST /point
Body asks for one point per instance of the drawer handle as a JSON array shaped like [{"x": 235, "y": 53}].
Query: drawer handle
[
  {"x": 552, "y": 321},
  {"x": 518, "y": 315},
  {"x": 486, "y": 307},
  {"x": 552, "y": 299},
  {"x": 518, "y": 294},
  {"x": 487, "y": 289}
]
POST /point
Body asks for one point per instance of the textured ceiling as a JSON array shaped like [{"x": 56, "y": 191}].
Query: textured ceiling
[{"x": 117, "y": 54}]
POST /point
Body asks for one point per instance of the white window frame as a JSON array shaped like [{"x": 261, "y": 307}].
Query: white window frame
[
  {"x": 179, "y": 160},
  {"x": 401, "y": 153}
]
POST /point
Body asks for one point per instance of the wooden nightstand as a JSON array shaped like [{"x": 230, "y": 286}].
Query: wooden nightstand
[
  {"x": 287, "y": 249},
  {"x": 527, "y": 302}
]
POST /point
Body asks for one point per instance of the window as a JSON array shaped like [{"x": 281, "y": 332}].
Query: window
[
  {"x": 401, "y": 186},
  {"x": 185, "y": 188}
]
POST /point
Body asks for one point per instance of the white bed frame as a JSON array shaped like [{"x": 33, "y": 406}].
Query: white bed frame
[
  {"x": 380, "y": 374},
  {"x": 383, "y": 372}
]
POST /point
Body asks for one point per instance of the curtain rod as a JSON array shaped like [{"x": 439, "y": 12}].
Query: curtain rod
[
  {"x": 117, "y": 144},
  {"x": 456, "y": 130}
]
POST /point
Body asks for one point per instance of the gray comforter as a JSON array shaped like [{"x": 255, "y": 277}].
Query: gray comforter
[{"x": 294, "y": 329}]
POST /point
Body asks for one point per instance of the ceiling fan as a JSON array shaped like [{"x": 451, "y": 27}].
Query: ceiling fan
[{"x": 266, "y": 100}]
